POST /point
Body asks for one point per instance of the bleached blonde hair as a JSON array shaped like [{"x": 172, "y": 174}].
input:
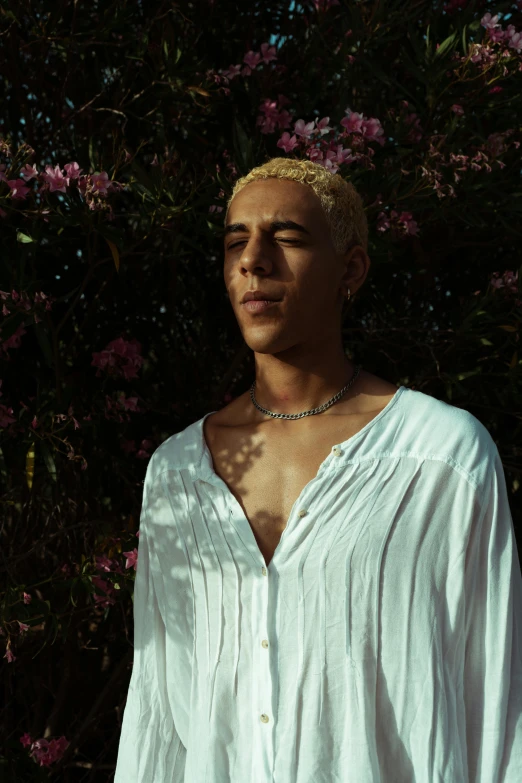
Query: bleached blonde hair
[{"x": 341, "y": 203}]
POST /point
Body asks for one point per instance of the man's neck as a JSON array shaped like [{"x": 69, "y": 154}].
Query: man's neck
[{"x": 296, "y": 385}]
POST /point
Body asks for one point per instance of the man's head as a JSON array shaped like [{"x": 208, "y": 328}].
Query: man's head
[{"x": 308, "y": 268}]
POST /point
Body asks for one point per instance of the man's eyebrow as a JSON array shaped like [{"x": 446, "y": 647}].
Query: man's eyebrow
[{"x": 275, "y": 225}]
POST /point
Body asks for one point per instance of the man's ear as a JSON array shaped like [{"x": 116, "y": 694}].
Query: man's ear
[{"x": 357, "y": 265}]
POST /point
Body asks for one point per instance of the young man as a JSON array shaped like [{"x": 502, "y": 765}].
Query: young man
[{"x": 328, "y": 588}]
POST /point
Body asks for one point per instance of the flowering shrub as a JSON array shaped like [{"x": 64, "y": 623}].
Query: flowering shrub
[{"x": 120, "y": 140}]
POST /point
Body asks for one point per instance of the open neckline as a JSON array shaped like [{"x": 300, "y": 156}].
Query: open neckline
[
  {"x": 207, "y": 463},
  {"x": 238, "y": 517}
]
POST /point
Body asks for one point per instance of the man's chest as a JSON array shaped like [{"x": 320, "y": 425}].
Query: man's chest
[{"x": 268, "y": 474}]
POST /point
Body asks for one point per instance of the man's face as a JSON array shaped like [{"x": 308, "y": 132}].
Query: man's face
[{"x": 299, "y": 267}]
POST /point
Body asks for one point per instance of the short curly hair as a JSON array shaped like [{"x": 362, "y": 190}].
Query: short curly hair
[{"x": 341, "y": 203}]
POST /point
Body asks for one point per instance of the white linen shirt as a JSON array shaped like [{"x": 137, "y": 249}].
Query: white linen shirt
[{"x": 382, "y": 644}]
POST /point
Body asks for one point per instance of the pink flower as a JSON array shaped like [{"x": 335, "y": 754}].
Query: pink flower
[
  {"x": 100, "y": 182},
  {"x": 27, "y": 598},
  {"x": 457, "y": 109},
  {"x": 315, "y": 155},
  {"x": 18, "y": 188},
  {"x": 252, "y": 59},
  {"x": 268, "y": 53},
  {"x": 55, "y": 179},
  {"x": 495, "y": 89},
  {"x": 304, "y": 129},
  {"x": 23, "y": 627},
  {"x": 322, "y": 126},
  {"x": 287, "y": 143},
  {"x": 144, "y": 450},
  {"x": 344, "y": 155},
  {"x": 118, "y": 351},
  {"x": 489, "y": 22},
  {"x": 409, "y": 223},
  {"x": 497, "y": 35},
  {"x": 131, "y": 403},
  {"x": 371, "y": 129},
  {"x": 383, "y": 222},
  {"x": 46, "y": 753},
  {"x": 73, "y": 170},
  {"x": 515, "y": 42},
  {"x": 9, "y": 655},
  {"x": 132, "y": 559},
  {"x": 353, "y": 123},
  {"x": 5, "y": 416},
  {"x": 234, "y": 70},
  {"x": 26, "y": 740},
  {"x": 103, "y": 563},
  {"x": 15, "y": 340},
  {"x": 108, "y": 589},
  {"x": 29, "y": 172}
]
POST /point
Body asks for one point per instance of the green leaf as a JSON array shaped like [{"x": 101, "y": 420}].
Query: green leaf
[
  {"x": 464, "y": 40},
  {"x": 23, "y": 238},
  {"x": 446, "y": 45},
  {"x": 48, "y": 459},
  {"x": 91, "y": 153}
]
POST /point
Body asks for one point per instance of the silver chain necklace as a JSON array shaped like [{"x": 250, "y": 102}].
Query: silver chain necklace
[{"x": 320, "y": 409}]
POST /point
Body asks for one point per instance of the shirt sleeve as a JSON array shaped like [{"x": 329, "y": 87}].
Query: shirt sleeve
[
  {"x": 150, "y": 750},
  {"x": 493, "y": 657}
]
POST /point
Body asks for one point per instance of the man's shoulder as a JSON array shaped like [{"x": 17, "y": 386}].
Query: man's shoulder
[
  {"x": 180, "y": 450},
  {"x": 437, "y": 429}
]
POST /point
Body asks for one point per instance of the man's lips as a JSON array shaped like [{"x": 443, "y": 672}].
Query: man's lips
[{"x": 259, "y": 305}]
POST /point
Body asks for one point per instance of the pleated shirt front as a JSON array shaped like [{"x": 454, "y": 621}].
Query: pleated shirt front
[{"x": 382, "y": 644}]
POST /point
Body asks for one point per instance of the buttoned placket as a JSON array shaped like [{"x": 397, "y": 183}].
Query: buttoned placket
[{"x": 263, "y": 695}]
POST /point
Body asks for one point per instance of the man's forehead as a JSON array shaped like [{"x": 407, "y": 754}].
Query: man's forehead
[{"x": 275, "y": 208}]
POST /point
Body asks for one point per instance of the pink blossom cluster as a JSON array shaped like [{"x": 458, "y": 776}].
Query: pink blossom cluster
[
  {"x": 329, "y": 152},
  {"x": 509, "y": 36},
  {"x": 508, "y": 281},
  {"x": 43, "y": 751},
  {"x": 116, "y": 408},
  {"x": 21, "y": 302},
  {"x": 221, "y": 195},
  {"x": 14, "y": 341},
  {"x": 144, "y": 450},
  {"x": 480, "y": 161},
  {"x": 273, "y": 115},
  {"x": 109, "y": 565},
  {"x": 93, "y": 187},
  {"x": 251, "y": 60},
  {"x": 401, "y": 224},
  {"x": 63, "y": 417},
  {"x": 120, "y": 357},
  {"x": 486, "y": 55}
]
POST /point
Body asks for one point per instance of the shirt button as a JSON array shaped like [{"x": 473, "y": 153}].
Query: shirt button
[
  {"x": 264, "y": 643},
  {"x": 303, "y": 512},
  {"x": 264, "y": 718},
  {"x": 337, "y": 451},
  {"x": 263, "y": 571}
]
